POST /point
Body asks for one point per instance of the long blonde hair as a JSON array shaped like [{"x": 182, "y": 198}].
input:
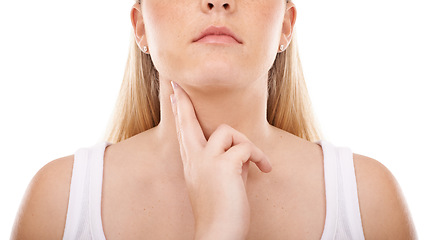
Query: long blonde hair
[{"x": 288, "y": 106}]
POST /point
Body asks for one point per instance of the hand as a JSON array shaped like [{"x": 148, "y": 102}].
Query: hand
[{"x": 215, "y": 172}]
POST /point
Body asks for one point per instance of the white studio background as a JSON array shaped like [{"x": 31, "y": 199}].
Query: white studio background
[{"x": 61, "y": 66}]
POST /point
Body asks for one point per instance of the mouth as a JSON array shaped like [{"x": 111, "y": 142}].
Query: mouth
[{"x": 215, "y": 34}]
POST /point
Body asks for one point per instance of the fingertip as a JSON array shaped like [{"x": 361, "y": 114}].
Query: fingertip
[
  {"x": 172, "y": 99},
  {"x": 269, "y": 169},
  {"x": 173, "y": 103},
  {"x": 268, "y": 166},
  {"x": 264, "y": 166},
  {"x": 174, "y": 85}
]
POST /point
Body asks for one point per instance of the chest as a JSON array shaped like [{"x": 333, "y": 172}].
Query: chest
[{"x": 290, "y": 208}]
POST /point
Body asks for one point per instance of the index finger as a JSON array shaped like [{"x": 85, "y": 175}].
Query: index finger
[{"x": 191, "y": 134}]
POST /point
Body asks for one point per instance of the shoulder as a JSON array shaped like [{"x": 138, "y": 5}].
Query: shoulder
[
  {"x": 383, "y": 209},
  {"x": 43, "y": 209}
]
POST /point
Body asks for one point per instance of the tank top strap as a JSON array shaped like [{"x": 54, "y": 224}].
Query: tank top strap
[
  {"x": 343, "y": 220},
  {"x": 83, "y": 219}
]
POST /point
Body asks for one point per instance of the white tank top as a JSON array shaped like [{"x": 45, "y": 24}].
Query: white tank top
[{"x": 343, "y": 221}]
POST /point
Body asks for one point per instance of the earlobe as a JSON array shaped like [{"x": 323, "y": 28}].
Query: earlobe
[
  {"x": 138, "y": 25},
  {"x": 288, "y": 25}
]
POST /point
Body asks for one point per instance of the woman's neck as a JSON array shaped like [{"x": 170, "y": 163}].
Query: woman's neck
[{"x": 243, "y": 108}]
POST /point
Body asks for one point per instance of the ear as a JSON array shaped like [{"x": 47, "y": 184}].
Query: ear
[
  {"x": 138, "y": 25},
  {"x": 288, "y": 25}
]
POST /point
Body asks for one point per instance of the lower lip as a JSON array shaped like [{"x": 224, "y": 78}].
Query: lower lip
[{"x": 217, "y": 39}]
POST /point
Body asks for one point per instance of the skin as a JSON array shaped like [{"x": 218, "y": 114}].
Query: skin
[
  {"x": 216, "y": 172},
  {"x": 146, "y": 185},
  {"x": 216, "y": 75}
]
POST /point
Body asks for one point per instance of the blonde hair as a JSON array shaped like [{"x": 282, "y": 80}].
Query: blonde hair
[{"x": 138, "y": 109}]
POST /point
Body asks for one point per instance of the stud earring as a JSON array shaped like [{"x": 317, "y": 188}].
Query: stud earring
[
  {"x": 145, "y": 49},
  {"x": 281, "y": 47}
]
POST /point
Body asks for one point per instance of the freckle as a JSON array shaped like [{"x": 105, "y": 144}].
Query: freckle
[
  {"x": 144, "y": 209},
  {"x": 267, "y": 199},
  {"x": 274, "y": 205}
]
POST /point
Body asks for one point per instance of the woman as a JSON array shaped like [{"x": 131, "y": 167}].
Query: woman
[{"x": 213, "y": 138}]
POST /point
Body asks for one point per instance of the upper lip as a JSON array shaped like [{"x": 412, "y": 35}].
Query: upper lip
[{"x": 214, "y": 30}]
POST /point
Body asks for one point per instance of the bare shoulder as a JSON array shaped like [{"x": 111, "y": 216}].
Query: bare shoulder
[
  {"x": 42, "y": 213},
  {"x": 383, "y": 209}
]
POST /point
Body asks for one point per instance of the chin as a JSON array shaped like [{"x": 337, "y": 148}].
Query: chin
[{"x": 218, "y": 75}]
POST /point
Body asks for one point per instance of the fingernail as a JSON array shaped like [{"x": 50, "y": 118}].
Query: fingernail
[
  {"x": 172, "y": 98},
  {"x": 174, "y": 85}
]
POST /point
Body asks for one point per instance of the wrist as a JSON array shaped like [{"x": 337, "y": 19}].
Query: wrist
[{"x": 223, "y": 232}]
